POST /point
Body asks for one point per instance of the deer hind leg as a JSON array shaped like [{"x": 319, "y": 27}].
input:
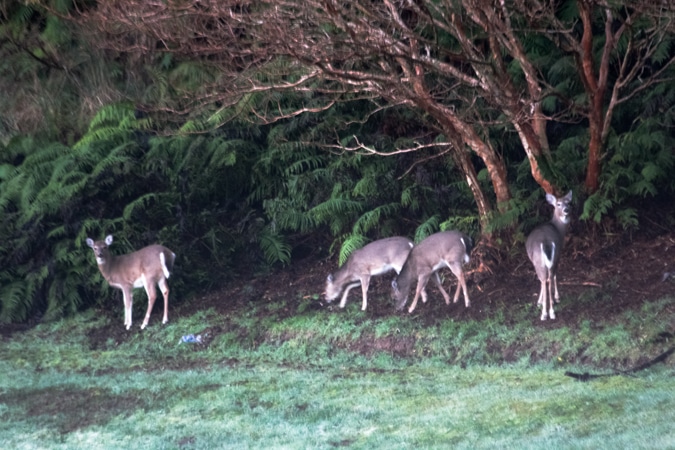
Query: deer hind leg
[
  {"x": 555, "y": 283},
  {"x": 551, "y": 283},
  {"x": 152, "y": 295},
  {"x": 446, "y": 296},
  {"x": 421, "y": 284},
  {"x": 542, "y": 297},
  {"x": 461, "y": 283},
  {"x": 164, "y": 287}
]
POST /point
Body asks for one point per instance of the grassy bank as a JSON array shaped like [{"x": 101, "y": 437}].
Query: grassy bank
[{"x": 273, "y": 375}]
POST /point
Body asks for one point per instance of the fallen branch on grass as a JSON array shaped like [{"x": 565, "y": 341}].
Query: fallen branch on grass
[{"x": 587, "y": 376}]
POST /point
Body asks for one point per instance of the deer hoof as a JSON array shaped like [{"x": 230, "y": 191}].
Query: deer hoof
[{"x": 552, "y": 315}]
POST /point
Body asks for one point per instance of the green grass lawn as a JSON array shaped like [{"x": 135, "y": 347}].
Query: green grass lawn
[{"x": 300, "y": 384}]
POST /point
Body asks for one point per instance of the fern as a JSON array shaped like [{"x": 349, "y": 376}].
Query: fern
[
  {"x": 351, "y": 243},
  {"x": 427, "y": 228},
  {"x": 274, "y": 248}
]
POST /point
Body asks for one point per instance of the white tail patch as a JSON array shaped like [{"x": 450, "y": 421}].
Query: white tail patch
[
  {"x": 162, "y": 259},
  {"x": 548, "y": 262},
  {"x": 467, "y": 258}
]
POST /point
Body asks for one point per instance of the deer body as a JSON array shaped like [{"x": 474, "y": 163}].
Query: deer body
[
  {"x": 544, "y": 246},
  {"x": 376, "y": 258},
  {"x": 144, "y": 268},
  {"x": 445, "y": 249}
]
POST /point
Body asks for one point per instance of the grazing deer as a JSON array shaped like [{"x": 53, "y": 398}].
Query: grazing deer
[
  {"x": 376, "y": 258},
  {"x": 544, "y": 246},
  {"x": 144, "y": 268},
  {"x": 445, "y": 249}
]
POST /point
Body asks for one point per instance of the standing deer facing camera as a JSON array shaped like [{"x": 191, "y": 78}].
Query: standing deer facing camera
[
  {"x": 144, "y": 268},
  {"x": 445, "y": 249},
  {"x": 376, "y": 258},
  {"x": 544, "y": 245}
]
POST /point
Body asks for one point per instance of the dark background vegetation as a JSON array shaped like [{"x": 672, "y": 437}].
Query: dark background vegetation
[{"x": 246, "y": 155}]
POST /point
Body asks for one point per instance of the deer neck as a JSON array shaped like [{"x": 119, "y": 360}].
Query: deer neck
[
  {"x": 560, "y": 226},
  {"x": 107, "y": 265}
]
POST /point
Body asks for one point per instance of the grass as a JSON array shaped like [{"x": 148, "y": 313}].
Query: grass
[{"x": 317, "y": 379}]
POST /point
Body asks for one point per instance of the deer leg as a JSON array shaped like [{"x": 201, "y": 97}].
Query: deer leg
[
  {"x": 555, "y": 283},
  {"x": 446, "y": 296},
  {"x": 421, "y": 284},
  {"x": 164, "y": 287},
  {"x": 461, "y": 283},
  {"x": 542, "y": 296},
  {"x": 152, "y": 294},
  {"x": 127, "y": 298},
  {"x": 365, "y": 282},
  {"x": 551, "y": 282},
  {"x": 343, "y": 301}
]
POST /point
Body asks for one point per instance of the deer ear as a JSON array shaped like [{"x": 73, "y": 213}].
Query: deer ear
[
  {"x": 551, "y": 199},
  {"x": 109, "y": 239},
  {"x": 568, "y": 197},
  {"x": 90, "y": 242}
]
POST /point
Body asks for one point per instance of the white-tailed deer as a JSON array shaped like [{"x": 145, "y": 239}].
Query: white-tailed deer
[
  {"x": 144, "y": 268},
  {"x": 376, "y": 258},
  {"x": 445, "y": 249},
  {"x": 544, "y": 246}
]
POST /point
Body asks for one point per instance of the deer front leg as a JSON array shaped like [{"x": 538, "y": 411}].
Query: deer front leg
[
  {"x": 365, "y": 282},
  {"x": 343, "y": 301},
  {"x": 127, "y": 298},
  {"x": 421, "y": 284}
]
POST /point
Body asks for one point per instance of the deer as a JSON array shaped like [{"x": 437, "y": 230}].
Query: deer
[
  {"x": 143, "y": 268},
  {"x": 376, "y": 258},
  {"x": 544, "y": 246},
  {"x": 444, "y": 249}
]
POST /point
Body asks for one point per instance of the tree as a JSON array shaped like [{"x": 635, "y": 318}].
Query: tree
[{"x": 467, "y": 66}]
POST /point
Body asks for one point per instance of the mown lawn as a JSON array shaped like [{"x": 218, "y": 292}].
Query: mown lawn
[{"x": 304, "y": 381}]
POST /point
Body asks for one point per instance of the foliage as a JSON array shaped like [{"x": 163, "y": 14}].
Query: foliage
[
  {"x": 639, "y": 161},
  {"x": 184, "y": 191}
]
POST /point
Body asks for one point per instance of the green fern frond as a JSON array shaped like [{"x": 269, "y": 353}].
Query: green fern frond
[
  {"x": 13, "y": 301},
  {"x": 353, "y": 242},
  {"x": 373, "y": 219},
  {"x": 328, "y": 210},
  {"x": 274, "y": 247},
  {"x": 427, "y": 228},
  {"x": 110, "y": 116},
  {"x": 142, "y": 202}
]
